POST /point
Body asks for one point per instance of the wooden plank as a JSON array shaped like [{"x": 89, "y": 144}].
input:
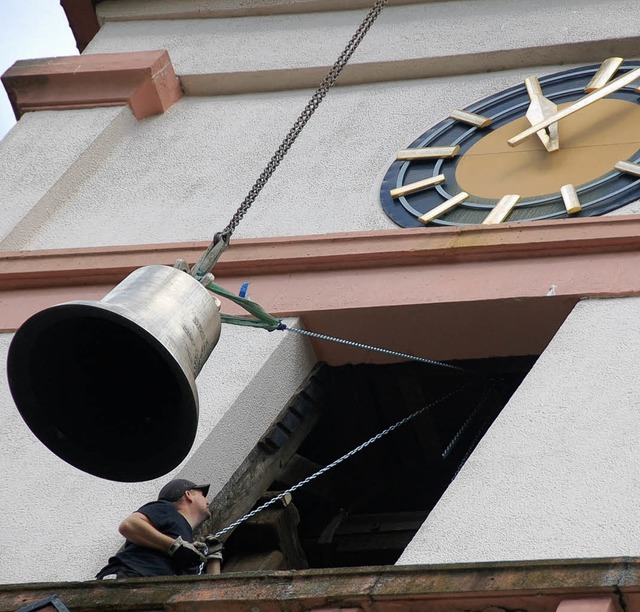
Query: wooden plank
[
  {"x": 275, "y": 528},
  {"x": 377, "y": 532},
  {"x": 326, "y": 537},
  {"x": 260, "y": 561},
  {"x": 297, "y": 469},
  {"x": 396, "y": 541},
  {"x": 384, "y": 522},
  {"x": 263, "y": 464}
]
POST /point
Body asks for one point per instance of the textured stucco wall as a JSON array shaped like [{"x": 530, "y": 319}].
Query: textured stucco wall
[
  {"x": 558, "y": 473},
  {"x": 98, "y": 177},
  {"x": 432, "y": 29},
  {"x": 45, "y": 157},
  {"x": 60, "y": 524},
  {"x": 180, "y": 176}
]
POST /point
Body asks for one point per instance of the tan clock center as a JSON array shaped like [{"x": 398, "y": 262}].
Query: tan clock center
[{"x": 592, "y": 141}]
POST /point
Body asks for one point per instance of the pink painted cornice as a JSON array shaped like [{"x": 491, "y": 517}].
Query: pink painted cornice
[
  {"x": 572, "y": 585},
  {"x": 144, "y": 80},
  {"x": 504, "y": 289},
  {"x": 83, "y": 21},
  {"x": 341, "y": 251}
]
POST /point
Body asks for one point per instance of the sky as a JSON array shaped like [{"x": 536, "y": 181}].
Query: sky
[{"x": 30, "y": 29}]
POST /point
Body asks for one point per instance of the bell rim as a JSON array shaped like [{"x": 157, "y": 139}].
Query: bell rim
[{"x": 117, "y": 314}]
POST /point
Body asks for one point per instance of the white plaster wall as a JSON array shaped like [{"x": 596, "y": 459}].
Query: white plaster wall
[
  {"x": 438, "y": 29},
  {"x": 60, "y": 524},
  {"x": 99, "y": 177},
  {"x": 558, "y": 473},
  {"x": 131, "y": 10},
  {"x": 180, "y": 176},
  {"x": 46, "y": 155}
]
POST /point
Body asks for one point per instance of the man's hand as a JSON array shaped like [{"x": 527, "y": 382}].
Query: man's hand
[
  {"x": 201, "y": 546},
  {"x": 214, "y": 554},
  {"x": 185, "y": 553},
  {"x": 214, "y": 548}
]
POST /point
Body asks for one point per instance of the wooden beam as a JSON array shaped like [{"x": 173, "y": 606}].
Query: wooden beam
[
  {"x": 374, "y": 532},
  {"x": 256, "y": 562},
  {"x": 264, "y": 463},
  {"x": 273, "y": 529},
  {"x": 297, "y": 469}
]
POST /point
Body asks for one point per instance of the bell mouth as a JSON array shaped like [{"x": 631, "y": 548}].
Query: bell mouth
[{"x": 102, "y": 393}]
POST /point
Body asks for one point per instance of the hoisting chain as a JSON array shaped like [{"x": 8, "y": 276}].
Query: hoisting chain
[
  {"x": 221, "y": 240},
  {"x": 481, "y": 431},
  {"x": 306, "y": 114},
  {"x": 456, "y": 438},
  {"x": 338, "y": 461}
]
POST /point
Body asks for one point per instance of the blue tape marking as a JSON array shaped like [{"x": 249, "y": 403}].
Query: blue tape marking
[{"x": 243, "y": 290}]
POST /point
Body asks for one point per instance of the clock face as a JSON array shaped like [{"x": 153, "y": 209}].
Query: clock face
[{"x": 487, "y": 164}]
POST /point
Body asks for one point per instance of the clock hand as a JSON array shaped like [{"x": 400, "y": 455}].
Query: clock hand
[
  {"x": 539, "y": 109},
  {"x": 613, "y": 86},
  {"x": 604, "y": 74}
]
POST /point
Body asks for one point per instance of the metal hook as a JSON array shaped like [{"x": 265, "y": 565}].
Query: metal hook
[{"x": 210, "y": 257}]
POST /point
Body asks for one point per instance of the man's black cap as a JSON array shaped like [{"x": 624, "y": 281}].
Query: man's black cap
[{"x": 175, "y": 489}]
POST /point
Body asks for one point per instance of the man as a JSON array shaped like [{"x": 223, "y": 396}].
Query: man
[{"x": 159, "y": 535}]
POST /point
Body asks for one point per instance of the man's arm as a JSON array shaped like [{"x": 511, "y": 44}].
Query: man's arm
[{"x": 138, "y": 529}]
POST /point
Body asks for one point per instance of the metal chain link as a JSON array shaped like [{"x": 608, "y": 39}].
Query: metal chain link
[
  {"x": 306, "y": 114},
  {"x": 369, "y": 347},
  {"x": 242, "y": 210},
  {"x": 338, "y": 461},
  {"x": 481, "y": 431},
  {"x": 447, "y": 451}
]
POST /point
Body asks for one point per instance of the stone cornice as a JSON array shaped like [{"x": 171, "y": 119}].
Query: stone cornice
[
  {"x": 539, "y": 585},
  {"x": 81, "y": 15},
  {"x": 356, "y": 250},
  {"x": 404, "y": 280},
  {"x": 144, "y": 80}
]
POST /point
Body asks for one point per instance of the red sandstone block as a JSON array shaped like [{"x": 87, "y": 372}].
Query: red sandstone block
[
  {"x": 605, "y": 604},
  {"x": 145, "y": 80}
]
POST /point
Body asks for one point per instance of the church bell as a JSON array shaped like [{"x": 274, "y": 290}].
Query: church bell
[{"x": 109, "y": 386}]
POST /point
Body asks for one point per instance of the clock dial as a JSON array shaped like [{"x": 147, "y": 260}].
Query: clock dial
[
  {"x": 591, "y": 143},
  {"x": 466, "y": 170}
]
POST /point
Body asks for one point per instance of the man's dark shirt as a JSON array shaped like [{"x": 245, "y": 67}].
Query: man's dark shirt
[{"x": 147, "y": 561}]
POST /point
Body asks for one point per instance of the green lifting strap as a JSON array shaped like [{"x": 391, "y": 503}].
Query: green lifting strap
[
  {"x": 260, "y": 318},
  {"x": 264, "y": 320}
]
